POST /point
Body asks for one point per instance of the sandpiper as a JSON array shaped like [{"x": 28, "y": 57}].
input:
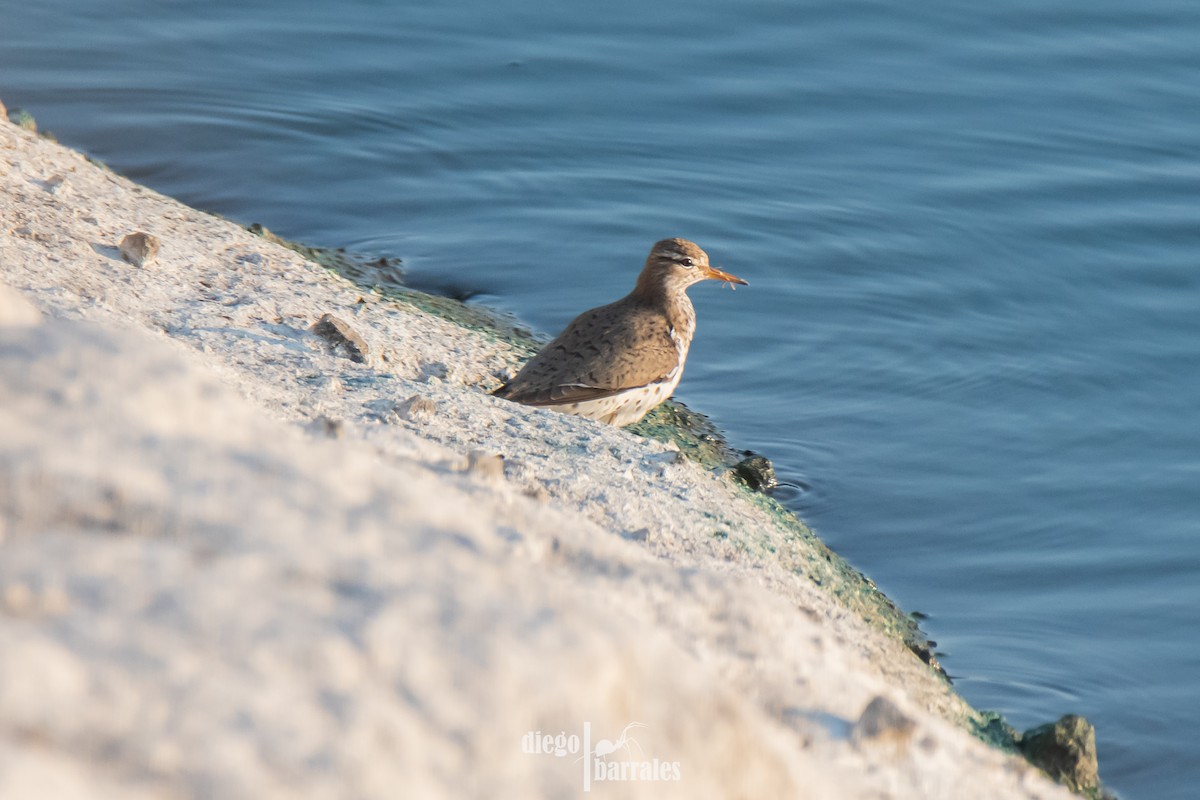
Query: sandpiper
[{"x": 616, "y": 362}]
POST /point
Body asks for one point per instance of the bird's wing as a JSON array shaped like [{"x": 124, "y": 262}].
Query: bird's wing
[{"x": 598, "y": 355}]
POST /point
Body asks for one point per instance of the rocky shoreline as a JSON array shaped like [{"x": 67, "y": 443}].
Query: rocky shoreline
[{"x": 264, "y": 533}]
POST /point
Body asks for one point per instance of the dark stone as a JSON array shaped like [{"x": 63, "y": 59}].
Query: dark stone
[
  {"x": 328, "y": 426},
  {"x": 883, "y": 721},
  {"x": 139, "y": 249},
  {"x": 342, "y": 337},
  {"x": 757, "y": 472},
  {"x": 1066, "y": 751}
]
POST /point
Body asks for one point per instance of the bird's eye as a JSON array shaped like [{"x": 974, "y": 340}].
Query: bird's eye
[{"x": 687, "y": 262}]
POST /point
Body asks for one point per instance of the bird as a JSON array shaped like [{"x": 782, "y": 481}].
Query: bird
[{"x": 616, "y": 362}]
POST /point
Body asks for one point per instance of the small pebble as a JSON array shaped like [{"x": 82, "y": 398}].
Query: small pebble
[
  {"x": 54, "y": 183},
  {"x": 416, "y": 407},
  {"x": 486, "y": 465},
  {"x": 883, "y": 723},
  {"x": 640, "y": 535},
  {"x": 139, "y": 249},
  {"x": 667, "y": 458},
  {"x": 757, "y": 472},
  {"x": 327, "y": 426},
  {"x": 435, "y": 371},
  {"x": 537, "y": 492},
  {"x": 342, "y": 337}
]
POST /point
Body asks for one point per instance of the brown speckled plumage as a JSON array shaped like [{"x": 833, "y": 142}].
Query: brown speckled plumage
[{"x": 616, "y": 362}]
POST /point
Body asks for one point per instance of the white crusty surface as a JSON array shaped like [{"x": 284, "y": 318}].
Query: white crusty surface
[{"x": 235, "y": 563}]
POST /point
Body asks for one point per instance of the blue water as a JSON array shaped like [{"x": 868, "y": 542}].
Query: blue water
[{"x": 971, "y": 339}]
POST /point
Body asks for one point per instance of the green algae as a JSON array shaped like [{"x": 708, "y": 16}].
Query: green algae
[
  {"x": 384, "y": 276},
  {"x": 26, "y": 121},
  {"x": 23, "y": 119},
  {"x": 362, "y": 271},
  {"x": 993, "y": 728},
  {"x": 802, "y": 552},
  {"x": 693, "y": 433}
]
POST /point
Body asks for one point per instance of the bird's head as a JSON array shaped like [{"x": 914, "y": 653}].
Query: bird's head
[{"x": 675, "y": 264}]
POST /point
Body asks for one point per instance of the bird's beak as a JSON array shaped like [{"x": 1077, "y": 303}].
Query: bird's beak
[{"x": 717, "y": 275}]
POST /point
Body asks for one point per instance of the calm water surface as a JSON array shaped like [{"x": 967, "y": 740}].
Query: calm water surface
[{"x": 972, "y": 234}]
